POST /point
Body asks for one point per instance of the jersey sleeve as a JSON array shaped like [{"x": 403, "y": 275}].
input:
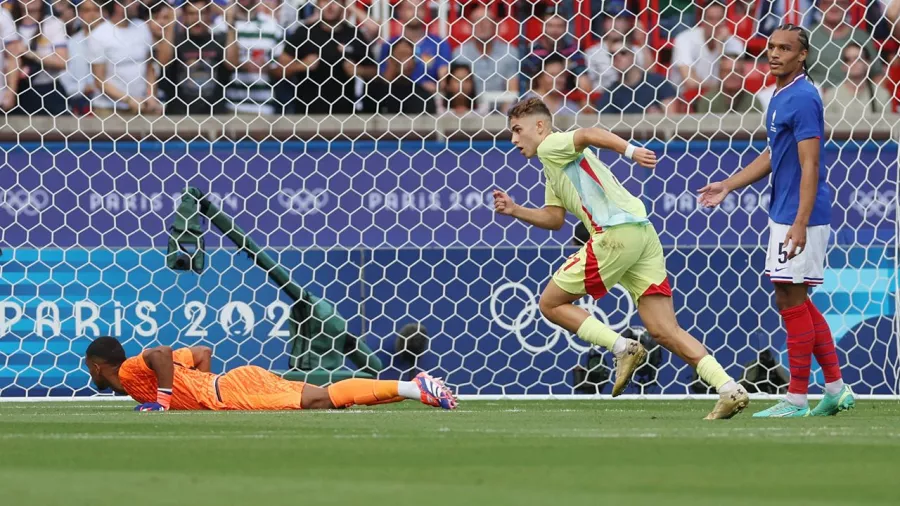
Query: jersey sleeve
[
  {"x": 279, "y": 47},
  {"x": 138, "y": 379},
  {"x": 808, "y": 119},
  {"x": 95, "y": 50},
  {"x": 444, "y": 54},
  {"x": 558, "y": 149},
  {"x": 55, "y": 31},
  {"x": 550, "y": 196},
  {"x": 8, "y": 32},
  {"x": 184, "y": 357},
  {"x": 683, "y": 50}
]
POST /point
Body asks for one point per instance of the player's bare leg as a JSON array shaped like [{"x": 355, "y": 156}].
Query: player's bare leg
[
  {"x": 368, "y": 392},
  {"x": 557, "y": 306},
  {"x": 658, "y": 314}
]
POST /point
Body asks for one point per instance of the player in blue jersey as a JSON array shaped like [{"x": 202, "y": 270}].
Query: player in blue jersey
[{"x": 799, "y": 222}]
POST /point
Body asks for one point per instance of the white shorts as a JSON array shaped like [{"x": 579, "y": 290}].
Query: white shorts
[{"x": 807, "y": 268}]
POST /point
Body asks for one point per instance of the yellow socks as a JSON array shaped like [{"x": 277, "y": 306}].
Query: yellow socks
[
  {"x": 712, "y": 372},
  {"x": 595, "y": 332}
]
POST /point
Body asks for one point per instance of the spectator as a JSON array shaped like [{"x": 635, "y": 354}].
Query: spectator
[
  {"x": 197, "y": 73},
  {"x": 770, "y": 14},
  {"x": 675, "y": 16},
  {"x": 324, "y": 57},
  {"x": 162, "y": 21},
  {"x": 359, "y": 17},
  {"x": 432, "y": 54},
  {"x": 729, "y": 96},
  {"x": 459, "y": 89},
  {"x": 119, "y": 52},
  {"x": 396, "y": 91},
  {"x": 162, "y": 28},
  {"x": 403, "y": 12},
  {"x": 286, "y": 13},
  {"x": 253, "y": 42},
  {"x": 637, "y": 91},
  {"x": 857, "y": 94},
  {"x": 555, "y": 40},
  {"x": 827, "y": 41},
  {"x": 65, "y": 11},
  {"x": 41, "y": 57},
  {"x": 892, "y": 13},
  {"x": 77, "y": 79},
  {"x": 696, "y": 52},
  {"x": 493, "y": 60},
  {"x": 12, "y": 47},
  {"x": 550, "y": 86},
  {"x": 620, "y": 30}
]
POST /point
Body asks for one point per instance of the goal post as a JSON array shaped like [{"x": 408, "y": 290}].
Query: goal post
[{"x": 388, "y": 215}]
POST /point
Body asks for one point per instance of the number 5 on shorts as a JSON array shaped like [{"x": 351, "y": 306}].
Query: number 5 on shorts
[{"x": 782, "y": 254}]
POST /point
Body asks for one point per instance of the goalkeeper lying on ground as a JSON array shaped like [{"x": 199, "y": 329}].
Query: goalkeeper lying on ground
[{"x": 162, "y": 379}]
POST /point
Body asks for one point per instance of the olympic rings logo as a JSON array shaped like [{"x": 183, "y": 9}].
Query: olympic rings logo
[
  {"x": 530, "y": 313},
  {"x": 29, "y": 203},
  {"x": 303, "y": 201}
]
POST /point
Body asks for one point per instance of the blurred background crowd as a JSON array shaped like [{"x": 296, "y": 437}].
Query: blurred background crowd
[{"x": 273, "y": 57}]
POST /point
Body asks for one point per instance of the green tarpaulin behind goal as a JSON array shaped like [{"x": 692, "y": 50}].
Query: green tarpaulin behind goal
[{"x": 320, "y": 341}]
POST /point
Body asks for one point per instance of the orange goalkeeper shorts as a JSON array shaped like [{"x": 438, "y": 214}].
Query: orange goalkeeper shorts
[{"x": 256, "y": 389}]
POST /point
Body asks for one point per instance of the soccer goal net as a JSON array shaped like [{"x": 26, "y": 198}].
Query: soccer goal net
[{"x": 305, "y": 185}]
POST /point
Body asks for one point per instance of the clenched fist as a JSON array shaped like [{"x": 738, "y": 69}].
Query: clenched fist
[{"x": 503, "y": 203}]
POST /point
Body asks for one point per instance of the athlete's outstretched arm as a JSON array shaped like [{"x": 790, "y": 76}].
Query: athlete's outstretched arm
[
  {"x": 202, "y": 356},
  {"x": 548, "y": 217},
  {"x": 713, "y": 194},
  {"x": 604, "y": 139}
]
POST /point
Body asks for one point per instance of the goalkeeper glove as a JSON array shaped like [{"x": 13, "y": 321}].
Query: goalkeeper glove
[
  {"x": 163, "y": 401},
  {"x": 150, "y": 406}
]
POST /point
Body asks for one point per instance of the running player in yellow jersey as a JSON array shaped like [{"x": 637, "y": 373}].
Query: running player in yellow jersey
[{"x": 624, "y": 248}]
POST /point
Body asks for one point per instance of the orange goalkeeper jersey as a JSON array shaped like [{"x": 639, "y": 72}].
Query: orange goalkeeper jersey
[{"x": 192, "y": 389}]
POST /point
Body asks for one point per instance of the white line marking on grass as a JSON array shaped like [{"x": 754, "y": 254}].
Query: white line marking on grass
[
  {"x": 444, "y": 432},
  {"x": 113, "y": 436},
  {"x": 106, "y": 410}
]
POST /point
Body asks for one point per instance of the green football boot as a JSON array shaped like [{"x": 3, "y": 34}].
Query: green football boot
[
  {"x": 831, "y": 405},
  {"x": 783, "y": 409}
]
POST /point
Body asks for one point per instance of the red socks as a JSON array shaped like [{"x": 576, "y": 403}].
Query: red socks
[
  {"x": 801, "y": 337},
  {"x": 824, "y": 350}
]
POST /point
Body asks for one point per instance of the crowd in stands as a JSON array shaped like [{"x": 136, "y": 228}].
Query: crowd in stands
[{"x": 272, "y": 57}]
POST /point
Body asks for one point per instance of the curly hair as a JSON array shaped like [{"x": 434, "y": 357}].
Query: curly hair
[{"x": 107, "y": 349}]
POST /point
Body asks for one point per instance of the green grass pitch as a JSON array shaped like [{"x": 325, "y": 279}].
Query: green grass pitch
[{"x": 486, "y": 453}]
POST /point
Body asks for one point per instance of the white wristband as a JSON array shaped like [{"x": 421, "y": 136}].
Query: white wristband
[{"x": 629, "y": 151}]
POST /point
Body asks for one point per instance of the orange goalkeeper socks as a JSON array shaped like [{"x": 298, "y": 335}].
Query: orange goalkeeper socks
[{"x": 366, "y": 392}]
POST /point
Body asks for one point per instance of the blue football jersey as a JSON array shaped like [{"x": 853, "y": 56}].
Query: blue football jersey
[{"x": 796, "y": 114}]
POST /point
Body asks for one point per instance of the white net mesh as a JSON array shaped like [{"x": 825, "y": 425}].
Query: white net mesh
[{"x": 358, "y": 144}]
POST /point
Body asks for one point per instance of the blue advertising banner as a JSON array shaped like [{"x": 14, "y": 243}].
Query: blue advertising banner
[
  {"x": 479, "y": 305},
  {"x": 399, "y": 236},
  {"x": 322, "y": 195}
]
